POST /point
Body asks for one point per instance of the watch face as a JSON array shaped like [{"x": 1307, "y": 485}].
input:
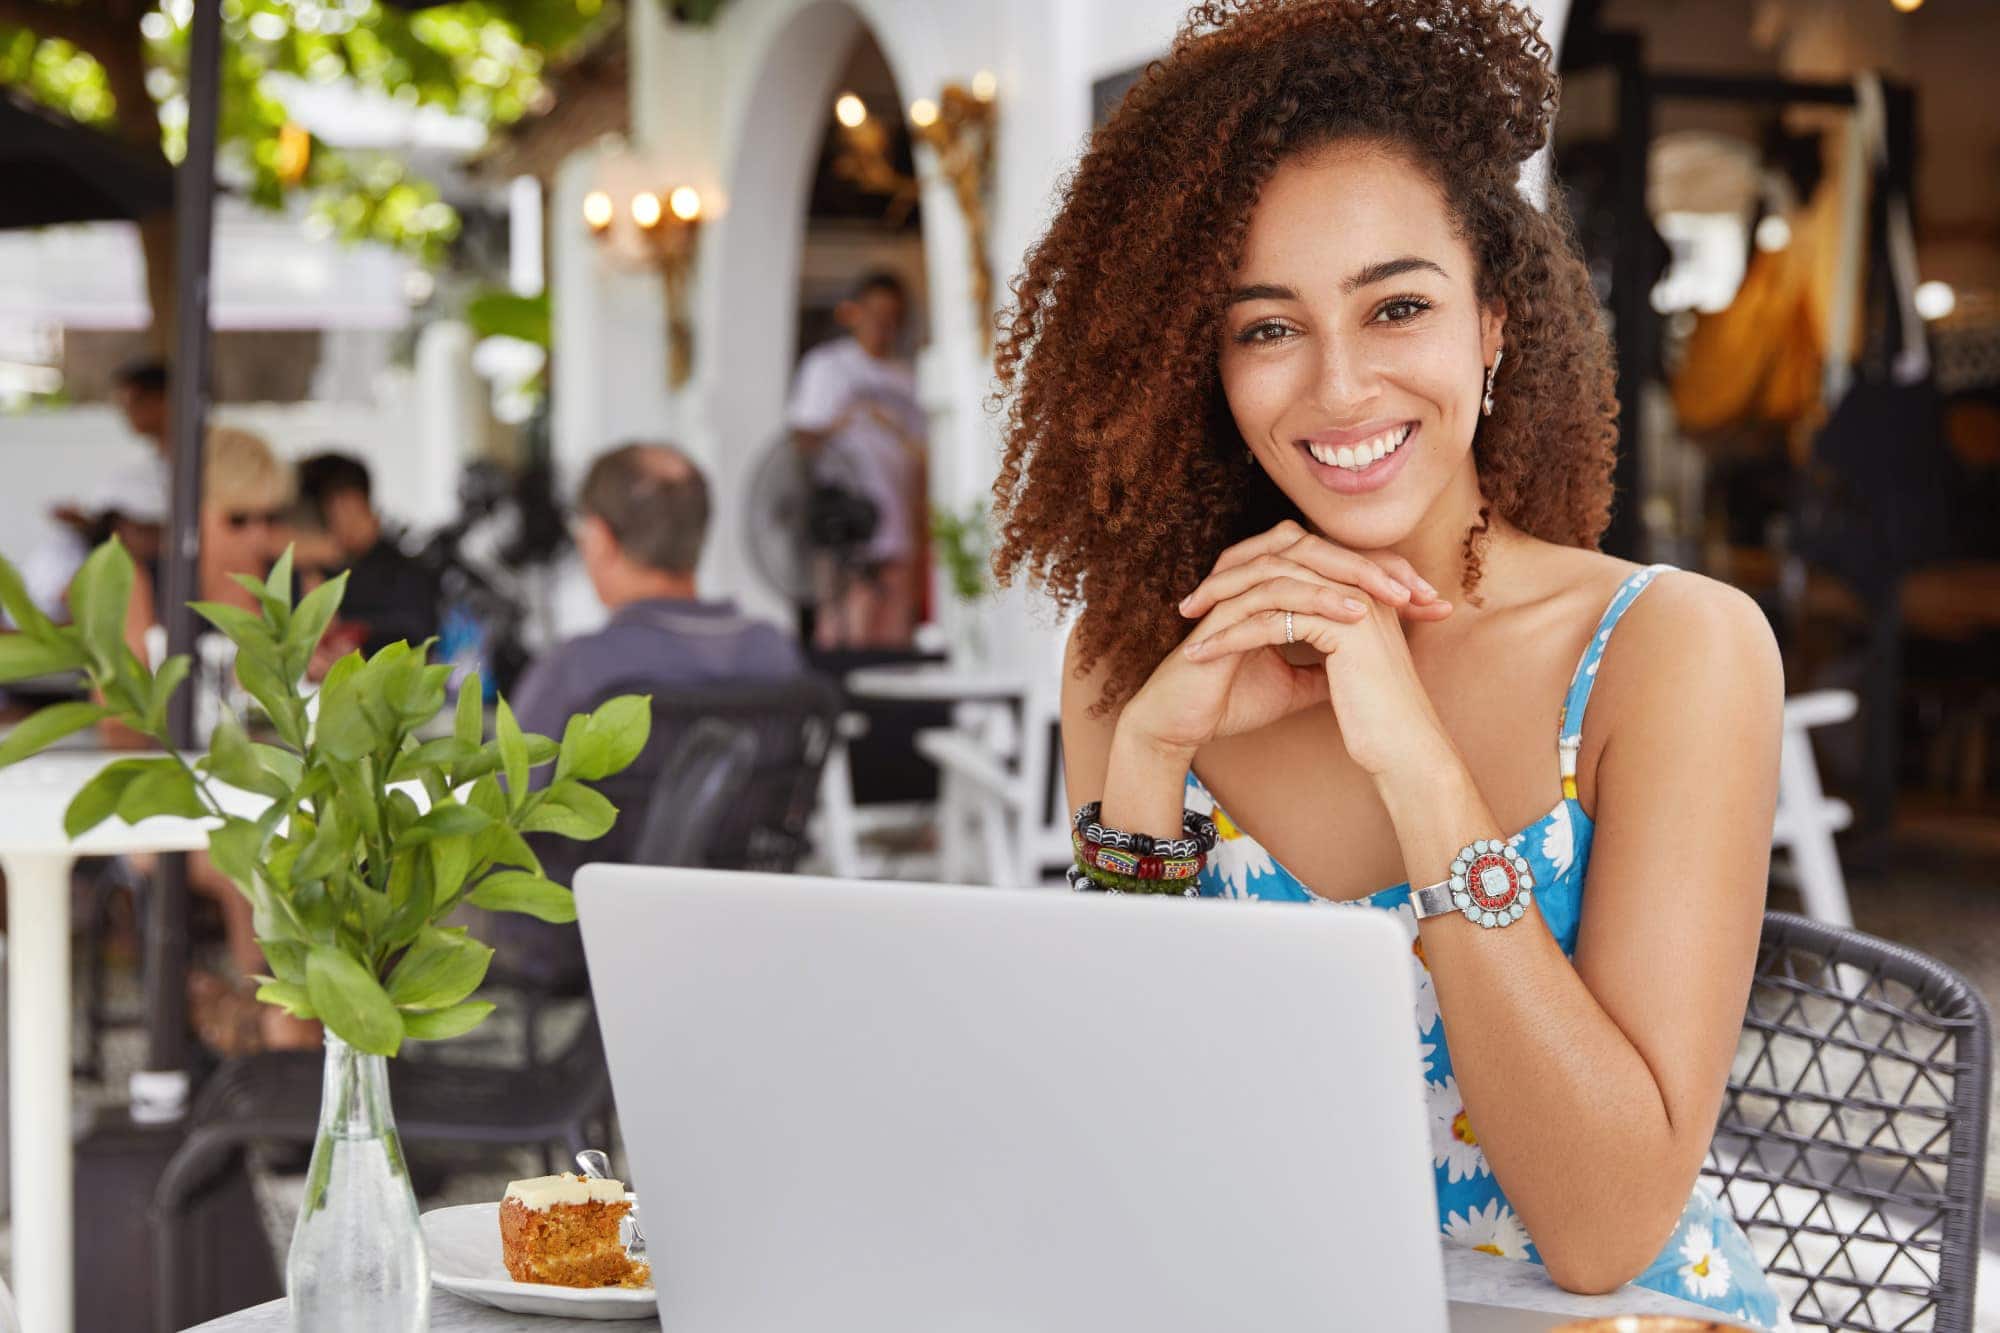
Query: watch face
[{"x": 1490, "y": 883}]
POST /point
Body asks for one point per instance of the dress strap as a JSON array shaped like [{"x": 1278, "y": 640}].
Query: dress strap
[{"x": 1569, "y": 729}]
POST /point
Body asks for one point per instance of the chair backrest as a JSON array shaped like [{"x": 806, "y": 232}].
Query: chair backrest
[
  {"x": 791, "y": 723},
  {"x": 705, "y": 777},
  {"x": 1852, "y": 1142}
]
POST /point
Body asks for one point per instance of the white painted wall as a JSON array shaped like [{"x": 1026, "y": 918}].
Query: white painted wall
[{"x": 737, "y": 110}]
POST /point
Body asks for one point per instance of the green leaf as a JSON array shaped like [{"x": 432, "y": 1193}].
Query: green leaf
[
  {"x": 439, "y": 970},
  {"x": 572, "y": 810},
  {"x": 279, "y": 582},
  {"x": 247, "y": 630},
  {"x": 98, "y": 599},
  {"x": 287, "y": 959},
  {"x": 309, "y": 622},
  {"x": 503, "y": 845},
  {"x": 352, "y": 1002},
  {"x": 613, "y": 737},
  {"x": 412, "y": 899},
  {"x": 236, "y": 848},
  {"x": 344, "y": 729},
  {"x": 233, "y": 759},
  {"x": 99, "y": 797},
  {"x": 45, "y": 726},
  {"x": 23, "y": 657},
  {"x": 276, "y": 694},
  {"x": 21, "y": 608},
  {"x": 520, "y": 891},
  {"x": 162, "y": 787},
  {"x": 282, "y": 764},
  {"x": 439, "y": 1024},
  {"x": 572, "y": 745},
  {"x": 470, "y": 718},
  {"x": 328, "y": 851},
  {"x": 513, "y": 755},
  {"x": 432, "y": 756},
  {"x": 451, "y": 862},
  {"x": 277, "y": 604},
  {"x": 287, "y": 996},
  {"x": 165, "y": 681},
  {"x": 486, "y": 795}
]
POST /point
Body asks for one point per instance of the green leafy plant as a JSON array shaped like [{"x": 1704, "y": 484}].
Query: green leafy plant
[
  {"x": 376, "y": 830},
  {"x": 962, "y": 545}
]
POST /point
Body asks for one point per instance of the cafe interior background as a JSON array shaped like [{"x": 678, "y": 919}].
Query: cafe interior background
[{"x": 631, "y": 220}]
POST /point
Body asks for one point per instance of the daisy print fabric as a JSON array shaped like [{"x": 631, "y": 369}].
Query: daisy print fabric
[{"x": 1708, "y": 1260}]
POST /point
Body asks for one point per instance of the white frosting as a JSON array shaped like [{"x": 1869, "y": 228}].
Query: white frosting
[{"x": 545, "y": 1192}]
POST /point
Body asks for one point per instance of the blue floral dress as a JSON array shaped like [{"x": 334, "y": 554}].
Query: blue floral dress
[{"x": 1708, "y": 1259}]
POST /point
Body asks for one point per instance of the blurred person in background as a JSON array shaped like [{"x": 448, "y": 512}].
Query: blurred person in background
[
  {"x": 854, "y": 403},
  {"x": 390, "y": 596},
  {"x": 642, "y": 515},
  {"x": 130, "y": 501}
]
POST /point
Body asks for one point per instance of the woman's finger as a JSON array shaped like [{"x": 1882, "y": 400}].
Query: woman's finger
[
  {"x": 1273, "y": 539},
  {"x": 1404, "y": 573},
  {"x": 1266, "y": 629},
  {"x": 1302, "y": 596},
  {"x": 1331, "y": 563}
]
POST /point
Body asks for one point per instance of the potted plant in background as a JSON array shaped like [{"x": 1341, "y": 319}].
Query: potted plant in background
[
  {"x": 380, "y": 824},
  {"x": 962, "y": 543}
]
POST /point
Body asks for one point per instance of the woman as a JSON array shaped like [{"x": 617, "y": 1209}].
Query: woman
[
  {"x": 1311, "y": 410},
  {"x": 246, "y": 493}
]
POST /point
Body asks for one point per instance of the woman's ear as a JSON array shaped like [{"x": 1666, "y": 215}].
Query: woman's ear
[{"x": 1492, "y": 330}]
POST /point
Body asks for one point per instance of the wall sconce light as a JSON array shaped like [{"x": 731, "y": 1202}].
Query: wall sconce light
[
  {"x": 662, "y": 235},
  {"x": 959, "y": 128},
  {"x": 958, "y": 125}
]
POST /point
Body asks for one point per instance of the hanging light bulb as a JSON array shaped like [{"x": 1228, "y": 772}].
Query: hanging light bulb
[
  {"x": 985, "y": 85},
  {"x": 850, "y": 110},
  {"x": 923, "y": 113},
  {"x": 597, "y": 210},
  {"x": 685, "y": 202},
  {"x": 1907, "y": 6},
  {"x": 646, "y": 209}
]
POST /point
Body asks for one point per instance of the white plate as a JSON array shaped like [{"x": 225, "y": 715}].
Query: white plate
[{"x": 464, "y": 1244}]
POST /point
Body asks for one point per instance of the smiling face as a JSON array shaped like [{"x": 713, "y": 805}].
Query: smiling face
[{"x": 1355, "y": 346}]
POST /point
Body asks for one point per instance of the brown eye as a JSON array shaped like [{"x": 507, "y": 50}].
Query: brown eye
[
  {"x": 1401, "y": 310},
  {"x": 1267, "y": 332}
]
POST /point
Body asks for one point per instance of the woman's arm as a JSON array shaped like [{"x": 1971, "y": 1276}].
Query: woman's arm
[
  {"x": 1593, "y": 1087},
  {"x": 1141, "y": 782}
]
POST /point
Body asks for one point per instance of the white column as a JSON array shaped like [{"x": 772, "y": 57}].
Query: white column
[
  {"x": 451, "y": 416},
  {"x": 524, "y": 236},
  {"x": 38, "y": 1089}
]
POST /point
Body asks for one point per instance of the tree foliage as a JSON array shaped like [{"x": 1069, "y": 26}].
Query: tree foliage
[{"x": 481, "y": 59}]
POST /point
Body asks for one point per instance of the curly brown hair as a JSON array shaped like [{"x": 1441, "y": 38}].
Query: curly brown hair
[{"x": 1125, "y": 475}]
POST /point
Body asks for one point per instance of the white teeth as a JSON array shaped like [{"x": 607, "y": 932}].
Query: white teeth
[{"x": 1366, "y": 454}]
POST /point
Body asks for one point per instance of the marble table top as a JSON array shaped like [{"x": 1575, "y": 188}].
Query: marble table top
[{"x": 1488, "y": 1295}]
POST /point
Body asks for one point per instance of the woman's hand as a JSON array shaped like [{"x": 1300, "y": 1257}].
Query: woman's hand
[
  {"x": 1345, "y": 607},
  {"x": 1245, "y": 680}
]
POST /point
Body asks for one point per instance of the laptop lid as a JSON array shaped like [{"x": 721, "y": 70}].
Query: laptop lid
[{"x": 862, "y": 1106}]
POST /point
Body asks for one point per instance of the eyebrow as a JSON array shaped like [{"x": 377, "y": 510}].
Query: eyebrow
[{"x": 1366, "y": 277}]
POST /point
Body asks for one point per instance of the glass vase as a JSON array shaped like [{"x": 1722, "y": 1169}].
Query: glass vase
[{"x": 357, "y": 1260}]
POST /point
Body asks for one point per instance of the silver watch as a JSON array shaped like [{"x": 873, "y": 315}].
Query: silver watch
[{"x": 1489, "y": 885}]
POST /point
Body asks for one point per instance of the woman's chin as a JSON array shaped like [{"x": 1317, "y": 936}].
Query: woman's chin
[{"x": 1361, "y": 527}]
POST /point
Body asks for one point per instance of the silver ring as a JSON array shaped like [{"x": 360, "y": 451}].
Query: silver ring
[{"x": 1289, "y": 638}]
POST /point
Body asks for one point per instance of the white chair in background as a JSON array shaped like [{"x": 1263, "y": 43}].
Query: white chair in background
[
  {"x": 1004, "y": 784},
  {"x": 1807, "y": 817}
]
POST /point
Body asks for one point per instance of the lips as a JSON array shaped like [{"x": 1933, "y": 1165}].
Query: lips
[{"x": 1357, "y": 461}]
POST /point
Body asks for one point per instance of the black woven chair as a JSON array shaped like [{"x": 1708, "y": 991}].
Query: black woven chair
[
  {"x": 791, "y": 723},
  {"x": 1852, "y": 1142},
  {"x": 274, "y": 1097}
]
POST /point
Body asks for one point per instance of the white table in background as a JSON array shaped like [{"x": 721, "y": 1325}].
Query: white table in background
[
  {"x": 918, "y": 682},
  {"x": 37, "y": 857},
  {"x": 1488, "y": 1295}
]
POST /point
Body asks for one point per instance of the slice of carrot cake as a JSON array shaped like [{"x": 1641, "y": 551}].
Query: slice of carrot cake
[{"x": 563, "y": 1230}]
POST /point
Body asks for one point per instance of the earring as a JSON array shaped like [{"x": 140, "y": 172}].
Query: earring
[{"x": 1486, "y": 405}]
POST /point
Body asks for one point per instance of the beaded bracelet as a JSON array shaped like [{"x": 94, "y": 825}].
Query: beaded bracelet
[
  {"x": 1120, "y": 862},
  {"x": 1101, "y": 881},
  {"x": 1199, "y": 828}
]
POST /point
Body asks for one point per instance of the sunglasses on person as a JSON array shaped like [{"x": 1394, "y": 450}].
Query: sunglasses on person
[{"x": 239, "y": 519}]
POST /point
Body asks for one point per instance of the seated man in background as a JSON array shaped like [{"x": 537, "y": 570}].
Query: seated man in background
[
  {"x": 389, "y": 595},
  {"x": 642, "y": 515}
]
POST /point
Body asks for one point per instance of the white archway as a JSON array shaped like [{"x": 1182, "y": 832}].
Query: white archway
[{"x": 771, "y": 130}]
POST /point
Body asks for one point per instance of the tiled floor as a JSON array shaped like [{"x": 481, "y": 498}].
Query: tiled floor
[{"x": 1936, "y": 889}]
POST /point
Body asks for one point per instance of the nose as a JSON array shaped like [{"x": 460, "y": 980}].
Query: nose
[{"x": 1346, "y": 377}]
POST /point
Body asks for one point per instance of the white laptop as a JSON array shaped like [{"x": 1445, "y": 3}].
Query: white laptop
[{"x": 858, "y": 1107}]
